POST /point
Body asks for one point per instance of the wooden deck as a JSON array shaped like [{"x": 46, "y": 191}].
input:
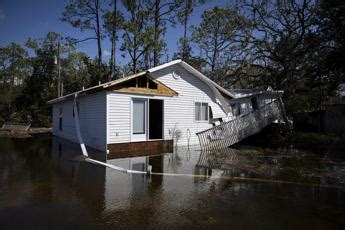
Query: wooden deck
[{"x": 231, "y": 132}]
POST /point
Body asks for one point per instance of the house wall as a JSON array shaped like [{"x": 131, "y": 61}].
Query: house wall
[
  {"x": 92, "y": 118},
  {"x": 118, "y": 117},
  {"x": 105, "y": 117},
  {"x": 179, "y": 111}
]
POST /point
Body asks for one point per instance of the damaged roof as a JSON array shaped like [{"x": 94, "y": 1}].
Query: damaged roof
[{"x": 179, "y": 62}]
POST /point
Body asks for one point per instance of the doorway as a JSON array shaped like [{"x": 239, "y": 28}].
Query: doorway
[{"x": 155, "y": 119}]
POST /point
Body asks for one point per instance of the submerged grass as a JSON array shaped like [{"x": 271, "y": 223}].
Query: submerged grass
[{"x": 318, "y": 141}]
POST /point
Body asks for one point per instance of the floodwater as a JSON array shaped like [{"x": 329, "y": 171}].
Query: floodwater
[{"x": 44, "y": 185}]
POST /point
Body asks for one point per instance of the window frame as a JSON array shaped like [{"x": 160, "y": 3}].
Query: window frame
[
  {"x": 145, "y": 117},
  {"x": 207, "y": 112}
]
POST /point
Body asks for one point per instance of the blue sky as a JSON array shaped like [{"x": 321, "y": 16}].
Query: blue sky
[{"x": 21, "y": 19}]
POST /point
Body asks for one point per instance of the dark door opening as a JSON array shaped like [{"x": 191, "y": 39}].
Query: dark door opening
[{"x": 155, "y": 119}]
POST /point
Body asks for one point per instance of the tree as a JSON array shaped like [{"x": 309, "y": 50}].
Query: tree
[
  {"x": 85, "y": 15},
  {"x": 14, "y": 69},
  {"x": 137, "y": 32},
  {"x": 75, "y": 72},
  {"x": 113, "y": 21},
  {"x": 41, "y": 84},
  {"x": 162, "y": 13},
  {"x": 284, "y": 44},
  {"x": 332, "y": 30},
  {"x": 219, "y": 37},
  {"x": 186, "y": 8}
]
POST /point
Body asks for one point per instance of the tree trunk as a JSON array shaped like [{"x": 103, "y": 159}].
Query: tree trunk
[
  {"x": 184, "y": 44},
  {"x": 111, "y": 61},
  {"x": 156, "y": 34},
  {"x": 134, "y": 60},
  {"x": 147, "y": 59},
  {"x": 215, "y": 51},
  {"x": 113, "y": 41},
  {"x": 98, "y": 34}
]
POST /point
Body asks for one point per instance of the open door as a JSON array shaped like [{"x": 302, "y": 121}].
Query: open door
[{"x": 155, "y": 119}]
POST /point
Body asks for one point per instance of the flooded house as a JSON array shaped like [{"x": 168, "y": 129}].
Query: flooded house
[{"x": 151, "y": 111}]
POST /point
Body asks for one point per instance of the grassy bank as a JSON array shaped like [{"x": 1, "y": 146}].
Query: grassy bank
[
  {"x": 317, "y": 141},
  {"x": 276, "y": 136},
  {"x": 24, "y": 134}
]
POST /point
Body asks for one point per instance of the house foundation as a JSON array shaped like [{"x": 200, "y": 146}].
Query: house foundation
[{"x": 142, "y": 148}]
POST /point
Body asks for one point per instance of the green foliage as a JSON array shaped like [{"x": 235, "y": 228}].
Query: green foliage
[
  {"x": 13, "y": 69},
  {"x": 295, "y": 46},
  {"x": 218, "y": 37},
  {"x": 85, "y": 15},
  {"x": 137, "y": 36},
  {"x": 323, "y": 142},
  {"x": 29, "y": 82},
  {"x": 113, "y": 23},
  {"x": 38, "y": 89},
  {"x": 75, "y": 72}
]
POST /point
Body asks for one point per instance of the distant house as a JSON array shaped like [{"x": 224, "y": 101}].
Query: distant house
[{"x": 146, "y": 111}]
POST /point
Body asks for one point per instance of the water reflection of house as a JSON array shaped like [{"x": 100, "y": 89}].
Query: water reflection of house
[{"x": 102, "y": 186}]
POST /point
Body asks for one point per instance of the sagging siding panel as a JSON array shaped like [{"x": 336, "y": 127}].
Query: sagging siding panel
[
  {"x": 179, "y": 111},
  {"x": 118, "y": 117},
  {"x": 92, "y": 118}
]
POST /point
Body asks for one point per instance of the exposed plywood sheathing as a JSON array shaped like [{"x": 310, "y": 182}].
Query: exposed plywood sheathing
[{"x": 143, "y": 84}]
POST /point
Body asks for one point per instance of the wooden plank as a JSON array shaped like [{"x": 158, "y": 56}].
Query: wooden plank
[
  {"x": 130, "y": 149},
  {"x": 146, "y": 91}
]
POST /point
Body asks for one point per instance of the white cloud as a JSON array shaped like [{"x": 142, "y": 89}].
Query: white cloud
[
  {"x": 2, "y": 15},
  {"x": 106, "y": 53}
]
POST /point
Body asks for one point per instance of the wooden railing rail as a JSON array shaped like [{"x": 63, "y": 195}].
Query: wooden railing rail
[{"x": 233, "y": 131}]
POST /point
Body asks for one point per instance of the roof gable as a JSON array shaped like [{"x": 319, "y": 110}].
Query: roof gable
[{"x": 142, "y": 84}]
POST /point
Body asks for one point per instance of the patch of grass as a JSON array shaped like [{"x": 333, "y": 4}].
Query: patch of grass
[
  {"x": 317, "y": 138},
  {"x": 317, "y": 141}
]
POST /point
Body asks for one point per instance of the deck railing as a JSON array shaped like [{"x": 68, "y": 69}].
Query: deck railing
[
  {"x": 16, "y": 126},
  {"x": 231, "y": 132}
]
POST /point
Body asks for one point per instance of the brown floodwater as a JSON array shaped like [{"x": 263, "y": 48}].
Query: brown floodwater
[{"x": 45, "y": 185}]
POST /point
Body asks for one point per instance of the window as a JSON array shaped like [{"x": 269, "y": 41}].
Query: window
[
  {"x": 60, "y": 118},
  {"x": 201, "y": 111},
  {"x": 246, "y": 107},
  {"x": 139, "y": 116}
]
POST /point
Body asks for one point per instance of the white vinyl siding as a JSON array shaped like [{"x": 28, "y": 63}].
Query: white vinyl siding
[
  {"x": 105, "y": 117},
  {"x": 118, "y": 117},
  {"x": 92, "y": 119},
  {"x": 179, "y": 110}
]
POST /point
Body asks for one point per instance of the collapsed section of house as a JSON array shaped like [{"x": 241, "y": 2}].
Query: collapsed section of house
[{"x": 252, "y": 111}]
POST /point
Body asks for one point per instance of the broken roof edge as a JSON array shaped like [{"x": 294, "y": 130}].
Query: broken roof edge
[{"x": 274, "y": 94}]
